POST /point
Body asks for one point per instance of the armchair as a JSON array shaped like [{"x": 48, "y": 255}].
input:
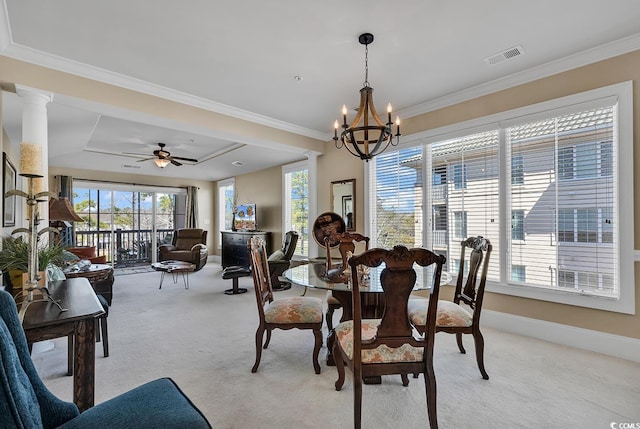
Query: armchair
[
  {"x": 188, "y": 245},
  {"x": 280, "y": 260}
]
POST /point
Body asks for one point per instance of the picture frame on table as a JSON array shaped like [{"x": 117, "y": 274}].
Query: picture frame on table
[{"x": 9, "y": 184}]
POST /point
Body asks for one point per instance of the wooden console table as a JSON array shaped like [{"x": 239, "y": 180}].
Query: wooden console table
[{"x": 44, "y": 321}]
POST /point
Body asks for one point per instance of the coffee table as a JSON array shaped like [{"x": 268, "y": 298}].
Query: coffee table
[{"x": 174, "y": 267}]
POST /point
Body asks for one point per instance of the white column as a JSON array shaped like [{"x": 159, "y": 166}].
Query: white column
[
  {"x": 35, "y": 131},
  {"x": 314, "y": 250}
]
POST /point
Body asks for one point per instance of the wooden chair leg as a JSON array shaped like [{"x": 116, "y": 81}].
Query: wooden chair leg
[
  {"x": 317, "y": 333},
  {"x": 357, "y": 398},
  {"x": 339, "y": 366},
  {"x": 459, "y": 340},
  {"x": 259, "y": 336},
  {"x": 430, "y": 386},
  {"x": 479, "y": 340},
  {"x": 70, "y": 354},
  {"x": 329, "y": 317},
  {"x": 105, "y": 337}
]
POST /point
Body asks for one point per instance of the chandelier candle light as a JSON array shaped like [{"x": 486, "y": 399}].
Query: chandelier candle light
[{"x": 373, "y": 136}]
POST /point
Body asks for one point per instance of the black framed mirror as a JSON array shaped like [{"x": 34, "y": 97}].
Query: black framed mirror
[{"x": 343, "y": 201}]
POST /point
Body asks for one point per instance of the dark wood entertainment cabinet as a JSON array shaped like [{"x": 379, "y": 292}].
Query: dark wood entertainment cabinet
[{"x": 234, "y": 246}]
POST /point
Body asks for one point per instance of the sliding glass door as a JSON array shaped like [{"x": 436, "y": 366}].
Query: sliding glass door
[{"x": 127, "y": 223}]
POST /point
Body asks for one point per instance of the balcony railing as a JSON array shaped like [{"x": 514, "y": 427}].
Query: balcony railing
[{"x": 124, "y": 247}]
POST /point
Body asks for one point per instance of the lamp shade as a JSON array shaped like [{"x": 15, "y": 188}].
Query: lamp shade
[
  {"x": 30, "y": 160},
  {"x": 161, "y": 162},
  {"x": 60, "y": 210}
]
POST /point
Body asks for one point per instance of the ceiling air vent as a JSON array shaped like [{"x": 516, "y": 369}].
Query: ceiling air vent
[
  {"x": 505, "y": 55},
  {"x": 130, "y": 166}
]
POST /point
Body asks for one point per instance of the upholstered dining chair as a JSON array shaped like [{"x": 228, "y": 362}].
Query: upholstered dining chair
[
  {"x": 280, "y": 260},
  {"x": 374, "y": 347},
  {"x": 453, "y": 317},
  {"x": 347, "y": 243},
  {"x": 25, "y": 402},
  {"x": 300, "y": 312}
]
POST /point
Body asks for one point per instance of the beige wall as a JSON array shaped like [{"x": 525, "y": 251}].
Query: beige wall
[
  {"x": 264, "y": 188},
  {"x": 335, "y": 165}
]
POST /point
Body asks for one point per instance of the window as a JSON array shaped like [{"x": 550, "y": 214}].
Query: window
[
  {"x": 126, "y": 222},
  {"x": 587, "y": 222},
  {"x": 440, "y": 217},
  {"x": 575, "y": 154},
  {"x": 226, "y": 199},
  {"x": 296, "y": 203},
  {"x": 518, "y": 273},
  {"x": 460, "y": 224},
  {"x": 459, "y": 176},
  {"x": 517, "y": 224},
  {"x": 517, "y": 170},
  {"x": 396, "y": 204}
]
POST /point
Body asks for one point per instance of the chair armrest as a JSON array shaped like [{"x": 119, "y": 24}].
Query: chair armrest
[
  {"x": 164, "y": 248},
  {"x": 199, "y": 248}
]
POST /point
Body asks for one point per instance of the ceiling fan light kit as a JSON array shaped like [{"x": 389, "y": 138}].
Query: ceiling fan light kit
[
  {"x": 162, "y": 162},
  {"x": 372, "y": 137},
  {"x": 163, "y": 157}
]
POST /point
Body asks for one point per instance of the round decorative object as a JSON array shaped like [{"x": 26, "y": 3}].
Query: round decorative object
[{"x": 326, "y": 225}]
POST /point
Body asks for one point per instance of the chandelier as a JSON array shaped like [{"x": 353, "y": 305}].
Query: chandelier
[{"x": 371, "y": 137}]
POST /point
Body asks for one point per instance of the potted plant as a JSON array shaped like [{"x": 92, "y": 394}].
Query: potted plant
[{"x": 14, "y": 258}]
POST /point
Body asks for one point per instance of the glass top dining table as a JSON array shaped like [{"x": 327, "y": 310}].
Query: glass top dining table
[{"x": 314, "y": 276}]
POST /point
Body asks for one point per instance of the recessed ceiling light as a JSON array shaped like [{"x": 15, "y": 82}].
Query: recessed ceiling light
[
  {"x": 238, "y": 163},
  {"x": 298, "y": 78}
]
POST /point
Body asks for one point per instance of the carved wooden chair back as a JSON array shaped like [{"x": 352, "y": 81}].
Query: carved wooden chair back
[
  {"x": 471, "y": 291},
  {"x": 374, "y": 347},
  {"x": 260, "y": 273},
  {"x": 346, "y": 243},
  {"x": 454, "y": 318}
]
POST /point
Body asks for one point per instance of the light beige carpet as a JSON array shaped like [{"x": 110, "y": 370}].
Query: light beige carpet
[{"x": 204, "y": 340}]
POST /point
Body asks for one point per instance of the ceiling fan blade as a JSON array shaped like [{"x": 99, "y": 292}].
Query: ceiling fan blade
[
  {"x": 174, "y": 162},
  {"x": 146, "y": 159},
  {"x": 137, "y": 154},
  {"x": 184, "y": 159}
]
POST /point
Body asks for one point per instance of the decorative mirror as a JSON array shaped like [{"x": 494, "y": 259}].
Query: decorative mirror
[{"x": 343, "y": 201}]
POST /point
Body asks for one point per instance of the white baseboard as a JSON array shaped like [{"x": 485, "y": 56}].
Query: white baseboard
[{"x": 586, "y": 339}]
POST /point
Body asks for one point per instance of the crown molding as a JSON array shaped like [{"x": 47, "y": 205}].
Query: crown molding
[
  {"x": 598, "y": 53},
  {"x": 33, "y": 56},
  {"x": 5, "y": 30}
]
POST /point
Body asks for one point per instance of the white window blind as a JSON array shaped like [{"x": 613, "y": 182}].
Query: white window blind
[
  {"x": 567, "y": 199},
  {"x": 551, "y": 185},
  {"x": 465, "y": 178},
  {"x": 396, "y": 198}
]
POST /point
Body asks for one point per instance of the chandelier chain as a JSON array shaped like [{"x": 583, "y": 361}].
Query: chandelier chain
[{"x": 366, "y": 65}]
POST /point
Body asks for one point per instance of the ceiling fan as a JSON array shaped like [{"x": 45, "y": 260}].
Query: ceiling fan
[{"x": 163, "y": 157}]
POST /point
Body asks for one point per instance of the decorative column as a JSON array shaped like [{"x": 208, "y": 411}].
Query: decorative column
[
  {"x": 312, "y": 157},
  {"x": 35, "y": 131}
]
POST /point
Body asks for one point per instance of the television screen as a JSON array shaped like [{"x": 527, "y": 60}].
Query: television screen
[{"x": 245, "y": 217}]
